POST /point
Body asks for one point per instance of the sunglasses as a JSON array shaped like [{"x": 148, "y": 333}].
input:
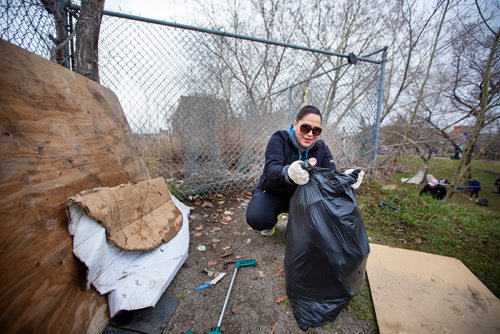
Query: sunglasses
[{"x": 306, "y": 128}]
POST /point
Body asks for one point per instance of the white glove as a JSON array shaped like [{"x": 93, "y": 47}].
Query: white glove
[
  {"x": 298, "y": 174},
  {"x": 359, "y": 174}
]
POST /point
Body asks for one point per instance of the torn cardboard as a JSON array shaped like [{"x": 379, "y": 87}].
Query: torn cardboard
[
  {"x": 132, "y": 279},
  {"x": 137, "y": 217}
]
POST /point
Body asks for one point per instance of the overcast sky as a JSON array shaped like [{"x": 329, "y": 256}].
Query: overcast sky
[{"x": 180, "y": 11}]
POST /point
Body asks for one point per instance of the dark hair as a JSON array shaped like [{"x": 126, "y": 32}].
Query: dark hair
[{"x": 306, "y": 110}]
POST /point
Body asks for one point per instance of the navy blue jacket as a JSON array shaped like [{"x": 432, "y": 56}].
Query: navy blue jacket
[{"x": 282, "y": 149}]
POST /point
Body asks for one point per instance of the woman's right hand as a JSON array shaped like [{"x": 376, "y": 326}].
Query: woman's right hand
[{"x": 297, "y": 173}]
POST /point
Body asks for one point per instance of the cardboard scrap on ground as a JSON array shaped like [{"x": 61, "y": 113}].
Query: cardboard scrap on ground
[
  {"x": 133, "y": 279},
  {"x": 137, "y": 216},
  {"x": 416, "y": 292}
]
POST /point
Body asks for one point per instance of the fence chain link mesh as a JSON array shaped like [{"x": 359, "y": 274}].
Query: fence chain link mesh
[{"x": 203, "y": 106}]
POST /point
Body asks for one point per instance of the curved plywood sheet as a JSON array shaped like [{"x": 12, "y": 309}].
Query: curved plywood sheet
[{"x": 60, "y": 133}]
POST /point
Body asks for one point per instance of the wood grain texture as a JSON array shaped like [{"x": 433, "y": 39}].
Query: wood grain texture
[{"x": 60, "y": 133}]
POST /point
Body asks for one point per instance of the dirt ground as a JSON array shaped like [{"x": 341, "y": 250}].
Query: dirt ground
[{"x": 258, "y": 302}]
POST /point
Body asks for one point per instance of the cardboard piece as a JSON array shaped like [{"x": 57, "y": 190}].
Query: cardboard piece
[
  {"x": 138, "y": 216},
  {"x": 416, "y": 292},
  {"x": 132, "y": 279},
  {"x": 61, "y": 133}
]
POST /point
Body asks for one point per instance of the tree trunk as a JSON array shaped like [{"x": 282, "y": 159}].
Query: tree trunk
[
  {"x": 463, "y": 171},
  {"x": 87, "y": 39},
  {"x": 60, "y": 51}
]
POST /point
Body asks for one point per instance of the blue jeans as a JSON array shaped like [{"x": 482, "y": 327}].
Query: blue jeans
[{"x": 263, "y": 209}]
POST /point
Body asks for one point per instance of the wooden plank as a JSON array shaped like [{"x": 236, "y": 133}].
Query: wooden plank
[
  {"x": 60, "y": 134},
  {"x": 416, "y": 292}
]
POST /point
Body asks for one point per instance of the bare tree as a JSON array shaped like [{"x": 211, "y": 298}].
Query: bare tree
[
  {"x": 86, "y": 57},
  {"x": 345, "y": 26},
  {"x": 60, "y": 50},
  {"x": 476, "y": 82},
  {"x": 423, "y": 85}
]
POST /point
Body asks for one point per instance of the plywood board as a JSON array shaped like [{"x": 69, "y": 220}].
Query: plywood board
[
  {"x": 60, "y": 133},
  {"x": 416, "y": 292},
  {"x": 137, "y": 216}
]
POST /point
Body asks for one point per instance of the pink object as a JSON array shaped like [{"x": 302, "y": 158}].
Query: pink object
[{"x": 433, "y": 182}]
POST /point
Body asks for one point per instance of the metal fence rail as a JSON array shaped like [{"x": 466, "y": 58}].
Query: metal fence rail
[{"x": 203, "y": 103}]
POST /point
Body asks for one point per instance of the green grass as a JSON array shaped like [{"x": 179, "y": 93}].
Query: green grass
[
  {"x": 460, "y": 229},
  {"x": 428, "y": 225},
  {"x": 485, "y": 172}
]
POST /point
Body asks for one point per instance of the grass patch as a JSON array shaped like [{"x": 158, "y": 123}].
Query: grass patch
[
  {"x": 362, "y": 306},
  {"x": 485, "y": 172},
  {"x": 427, "y": 225},
  {"x": 460, "y": 229}
]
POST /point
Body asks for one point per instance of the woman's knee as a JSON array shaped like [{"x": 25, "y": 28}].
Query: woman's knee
[
  {"x": 260, "y": 213},
  {"x": 257, "y": 218}
]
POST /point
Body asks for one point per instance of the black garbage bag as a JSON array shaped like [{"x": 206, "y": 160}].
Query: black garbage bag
[{"x": 326, "y": 247}]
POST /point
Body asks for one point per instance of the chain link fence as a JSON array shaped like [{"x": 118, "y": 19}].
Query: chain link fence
[{"x": 202, "y": 105}]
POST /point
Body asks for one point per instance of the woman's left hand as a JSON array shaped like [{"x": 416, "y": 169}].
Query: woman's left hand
[{"x": 358, "y": 174}]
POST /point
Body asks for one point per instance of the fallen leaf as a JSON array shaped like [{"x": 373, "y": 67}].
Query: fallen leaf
[
  {"x": 280, "y": 272},
  {"x": 215, "y": 241},
  {"x": 207, "y": 205},
  {"x": 199, "y": 228},
  {"x": 418, "y": 240},
  {"x": 198, "y": 234},
  {"x": 211, "y": 263},
  {"x": 280, "y": 299},
  {"x": 237, "y": 310},
  {"x": 248, "y": 241},
  {"x": 261, "y": 274},
  {"x": 237, "y": 257},
  {"x": 227, "y": 253},
  {"x": 215, "y": 229}
]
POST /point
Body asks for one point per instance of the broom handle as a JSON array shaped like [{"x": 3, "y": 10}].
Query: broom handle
[{"x": 227, "y": 297}]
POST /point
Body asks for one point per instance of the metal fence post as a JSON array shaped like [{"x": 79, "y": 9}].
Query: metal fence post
[
  {"x": 380, "y": 100},
  {"x": 290, "y": 106}
]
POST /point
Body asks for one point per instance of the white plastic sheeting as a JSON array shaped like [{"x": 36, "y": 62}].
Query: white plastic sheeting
[
  {"x": 133, "y": 280},
  {"x": 417, "y": 178}
]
